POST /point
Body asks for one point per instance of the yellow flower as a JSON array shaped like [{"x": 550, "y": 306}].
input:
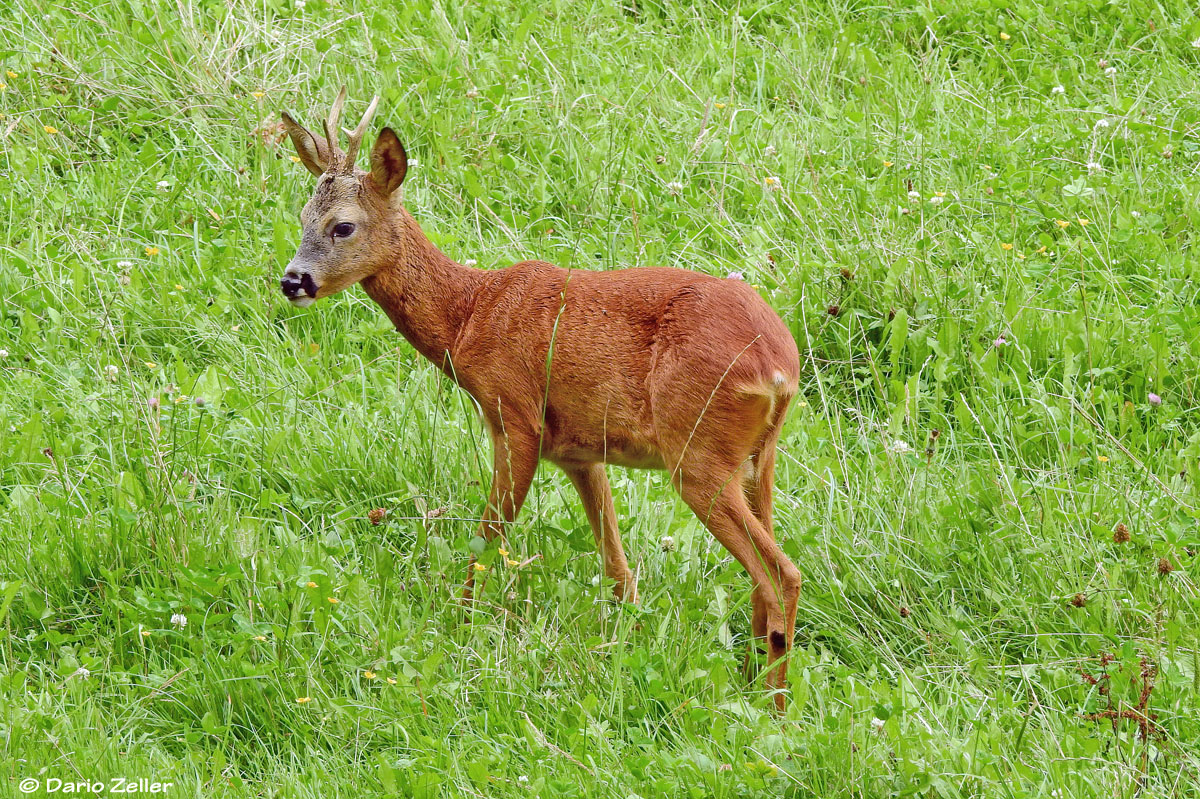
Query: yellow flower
[
  {"x": 887, "y": 163},
  {"x": 503, "y": 551},
  {"x": 256, "y": 95},
  {"x": 151, "y": 251},
  {"x": 391, "y": 681},
  {"x": 145, "y": 633},
  {"x": 803, "y": 404},
  {"x": 1004, "y": 36},
  {"x": 310, "y": 584},
  {"x": 1083, "y": 222},
  {"x": 1062, "y": 223},
  {"x": 50, "y": 130},
  {"x": 511, "y": 562},
  {"x": 939, "y": 194},
  {"x": 1041, "y": 249},
  {"x": 1102, "y": 458},
  {"x": 1020, "y": 256},
  {"x": 11, "y": 74},
  {"x": 332, "y": 600},
  {"x": 370, "y": 675},
  {"x": 479, "y": 567},
  {"x": 151, "y": 365},
  {"x": 3, "y": 86},
  {"x": 303, "y": 700},
  {"x": 295, "y": 159},
  {"x": 260, "y": 638},
  {"x": 1006, "y": 246},
  {"x": 719, "y": 105}
]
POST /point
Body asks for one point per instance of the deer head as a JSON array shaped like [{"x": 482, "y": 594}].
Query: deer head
[{"x": 350, "y": 222}]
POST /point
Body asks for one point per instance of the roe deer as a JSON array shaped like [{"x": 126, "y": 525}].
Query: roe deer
[{"x": 650, "y": 368}]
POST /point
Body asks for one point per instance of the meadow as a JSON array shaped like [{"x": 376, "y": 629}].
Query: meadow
[{"x": 976, "y": 217}]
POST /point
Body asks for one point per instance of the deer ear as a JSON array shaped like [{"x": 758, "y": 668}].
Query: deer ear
[
  {"x": 389, "y": 162},
  {"x": 313, "y": 152}
]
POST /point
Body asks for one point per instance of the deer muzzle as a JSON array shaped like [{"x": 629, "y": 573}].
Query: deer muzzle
[{"x": 299, "y": 288}]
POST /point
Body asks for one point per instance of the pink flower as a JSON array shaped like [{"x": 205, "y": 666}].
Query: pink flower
[{"x": 1154, "y": 399}]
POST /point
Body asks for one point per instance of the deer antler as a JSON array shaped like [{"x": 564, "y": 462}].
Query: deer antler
[
  {"x": 343, "y": 161},
  {"x": 357, "y": 134}
]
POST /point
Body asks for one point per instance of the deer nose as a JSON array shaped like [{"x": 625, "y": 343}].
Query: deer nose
[{"x": 291, "y": 284}]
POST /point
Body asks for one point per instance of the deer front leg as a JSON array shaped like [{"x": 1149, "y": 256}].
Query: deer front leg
[
  {"x": 591, "y": 482},
  {"x": 514, "y": 461}
]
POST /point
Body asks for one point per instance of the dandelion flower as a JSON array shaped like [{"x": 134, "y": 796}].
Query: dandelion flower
[
  {"x": 151, "y": 251},
  {"x": 303, "y": 700},
  {"x": 1006, "y": 246},
  {"x": 179, "y": 620},
  {"x": 49, "y": 129}
]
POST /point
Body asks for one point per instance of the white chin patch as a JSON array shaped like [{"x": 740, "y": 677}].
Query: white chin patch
[{"x": 302, "y": 301}]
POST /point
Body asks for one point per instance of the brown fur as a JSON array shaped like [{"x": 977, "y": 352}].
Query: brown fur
[{"x": 651, "y": 368}]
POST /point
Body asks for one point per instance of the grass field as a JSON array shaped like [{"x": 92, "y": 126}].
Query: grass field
[{"x": 976, "y": 217}]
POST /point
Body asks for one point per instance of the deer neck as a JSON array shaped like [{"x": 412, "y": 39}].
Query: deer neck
[{"x": 427, "y": 295}]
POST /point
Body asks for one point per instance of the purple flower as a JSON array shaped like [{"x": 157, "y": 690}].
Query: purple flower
[{"x": 1154, "y": 399}]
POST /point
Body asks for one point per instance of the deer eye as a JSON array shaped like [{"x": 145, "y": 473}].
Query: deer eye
[{"x": 343, "y": 229}]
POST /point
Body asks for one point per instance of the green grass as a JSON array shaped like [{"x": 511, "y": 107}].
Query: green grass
[{"x": 946, "y": 496}]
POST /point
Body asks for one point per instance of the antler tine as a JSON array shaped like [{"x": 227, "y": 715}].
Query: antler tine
[
  {"x": 357, "y": 134},
  {"x": 331, "y": 124}
]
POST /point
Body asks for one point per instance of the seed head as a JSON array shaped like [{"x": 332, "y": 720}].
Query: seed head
[
  {"x": 1165, "y": 566},
  {"x": 1121, "y": 534},
  {"x": 376, "y": 516},
  {"x": 905, "y": 612},
  {"x": 667, "y": 544},
  {"x": 1079, "y": 600}
]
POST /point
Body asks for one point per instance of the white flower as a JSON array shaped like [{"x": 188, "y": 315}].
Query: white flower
[
  {"x": 1135, "y": 214},
  {"x": 905, "y": 211},
  {"x": 82, "y": 673},
  {"x": 735, "y": 276},
  {"x": 124, "y": 264},
  {"x": 3, "y": 353},
  {"x": 675, "y": 187},
  {"x": 771, "y": 183},
  {"x": 300, "y": 5},
  {"x": 900, "y": 447},
  {"x": 522, "y": 779},
  {"x": 1110, "y": 71},
  {"x": 596, "y": 580},
  {"x": 1058, "y": 90},
  {"x": 412, "y": 163},
  {"x": 770, "y": 150},
  {"x": 914, "y": 196},
  {"x": 1093, "y": 167},
  {"x": 111, "y": 371},
  {"x": 472, "y": 93},
  {"x": 1102, "y": 123},
  {"x": 179, "y": 620},
  {"x": 470, "y": 262},
  {"x": 1196, "y": 43},
  {"x": 667, "y": 544},
  {"x": 936, "y": 200},
  {"x": 877, "y": 724},
  {"x": 163, "y": 185}
]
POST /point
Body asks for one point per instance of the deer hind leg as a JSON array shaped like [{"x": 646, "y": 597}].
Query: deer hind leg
[
  {"x": 514, "y": 461},
  {"x": 724, "y": 510},
  {"x": 591, "y": 481}
]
